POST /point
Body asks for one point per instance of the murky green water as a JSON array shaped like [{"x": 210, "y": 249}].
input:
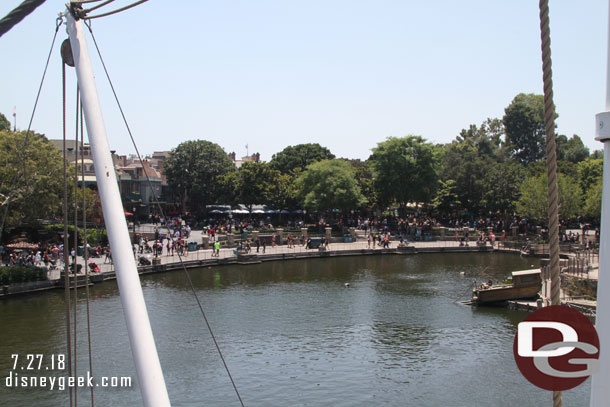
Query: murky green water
[{"x": 294, "y": 335}]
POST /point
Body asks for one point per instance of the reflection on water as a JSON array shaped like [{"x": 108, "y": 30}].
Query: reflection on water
[{"x": 293, "y": 334}]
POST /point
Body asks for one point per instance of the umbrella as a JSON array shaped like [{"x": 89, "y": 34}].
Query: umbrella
[
  {"x": 22, "y": 245},
  {"x": 128, "y": 213}
]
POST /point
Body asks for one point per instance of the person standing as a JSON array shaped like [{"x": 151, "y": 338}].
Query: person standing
[{"x": 217, "y": 247}]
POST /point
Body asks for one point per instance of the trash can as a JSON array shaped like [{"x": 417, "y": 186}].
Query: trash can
[
  {"x": 156, "y": 261},
  {"x": 193, "y": 246},
  {"x": 80, "y": 251},
  {"x": 347, "y": 238}
]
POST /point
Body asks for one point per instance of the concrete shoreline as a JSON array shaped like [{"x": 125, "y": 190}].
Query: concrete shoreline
[{"x": 204, "y": 258}]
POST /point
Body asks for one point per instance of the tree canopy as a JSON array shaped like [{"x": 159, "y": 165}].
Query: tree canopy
[
  {"x": 328, "y": 185},
  {"x": 524, "y": 126},
  {"x": 31, "y": 181},
  {"x": 5, "y": 124},
  {"x": 299, "y": 156},
  {"x": 533, "y": 202},
  {"x": 405, "y": 170},
  {"x": 192, "y": 170}
]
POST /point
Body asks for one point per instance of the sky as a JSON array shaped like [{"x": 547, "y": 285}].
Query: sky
[{"x": 346, "y": 74}]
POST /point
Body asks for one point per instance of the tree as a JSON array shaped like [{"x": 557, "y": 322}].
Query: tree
[
  {"x": 365, "y": 177},
  {"x": 31, "y": 179},
  {"x": 192, "y": 170},
  {"x": 299, "y": 156},
  {"x": 524, "y": 126},
  {"x": 501, "y": 187},
  {"x": 405, "y": 170},
  {"x": 283, "y": 192},
  {"x": 589, "y": 173},
  {"x": 533, "y": 202},
  {"x": 593, "y": 200},
  {"x": 253, "y": 183},
  {"x": 328, "y": 185},
  {"x": 4, "y": 123},
  {"x": 446, "y": 199},
  {"x": 572, "y": 150}
]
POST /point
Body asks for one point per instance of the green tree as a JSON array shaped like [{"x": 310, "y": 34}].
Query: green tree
[
  {"x": 524, "y": 126},
  {"x": 365, "y": 177},
  {"x": 533, "y": 201},
  {"x": 31, "y": 180},
  {"x": 283, "y": 192},
  {"x": 299, "y": 156},
  {"x": 589, "y": 173},
  {"x": 405, "y": 170},
  {"x": 4, "y": 123},
  {"x": 192, "y": 170},
  {"x": 574, "y": 150},
  {"x": 593, "y": 200},
  {"x": 501, "y": 186},
  {"x": 446, "y": 199},
  {"x": 253, "y": 183},
  {"x": 328, "y": 185}
]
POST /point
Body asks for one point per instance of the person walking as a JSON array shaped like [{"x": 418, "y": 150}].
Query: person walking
[{"x": 217, "y": 247}]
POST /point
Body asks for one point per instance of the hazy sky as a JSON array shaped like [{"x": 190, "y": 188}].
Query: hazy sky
[{"x": 343, "y": 73}]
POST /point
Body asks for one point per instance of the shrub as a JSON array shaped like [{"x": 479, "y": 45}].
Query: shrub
[{"x": 19, "y": 274}]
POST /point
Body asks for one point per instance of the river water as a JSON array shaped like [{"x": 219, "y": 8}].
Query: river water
[{"x": 294, "y": 335}]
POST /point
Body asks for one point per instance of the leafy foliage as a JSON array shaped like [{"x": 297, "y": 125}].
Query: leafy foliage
[
  {"x": 405, "y": 170},
  {"x": 533, "y": 202},
  {"x": 328, "y": 185},
  {"x": 19, "y": 274},
  {"x": 501, "y": 186},
  {"x": 299, "y": 157},
  {"x": 192, "y": 169},
  {"x": 593, "y": 200},
  {"x": 5, "y": 124},
  {"x": 31, "y": 181},
  {"x": 524, "y": 125}
]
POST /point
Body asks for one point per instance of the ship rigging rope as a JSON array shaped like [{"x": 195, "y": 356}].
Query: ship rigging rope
[
  {"x": 14, "y": 17},
  {"x": 551, "y": 162},
  {"x": 86, "y": 250},
  {"x": 23, "y": 153},
  {"x": 83, "y": 13},
  {"x": 65, "y": 213},
  {"x": 156, "y": 200},
  {"x": 75, "y": 244}
]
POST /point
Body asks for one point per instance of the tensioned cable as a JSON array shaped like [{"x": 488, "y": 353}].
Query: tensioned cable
[
  {"x": 156, "y": 200},
  {"x": 19, "y": 13},
  {"x": 22, "y": 155},
  {"x": 97, "y": 6},
  {"x": 86, "y": 253},
  {"x": 65, "y": 250},
  {"x": 74, "y": 262},
  {"x": 114, "y": 11},
  {"x": 551, "y": 163}
]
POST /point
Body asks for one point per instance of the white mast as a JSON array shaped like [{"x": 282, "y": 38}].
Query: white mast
[
  {"x": 600, "y": 385},
  {"x": 150, "y": 375}
]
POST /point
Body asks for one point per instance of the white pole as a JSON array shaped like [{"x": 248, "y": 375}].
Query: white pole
[
  {"x": 600, "y": 384},
  {"x": 150, "y": 375}
]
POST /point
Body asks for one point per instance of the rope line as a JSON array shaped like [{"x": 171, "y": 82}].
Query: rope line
[
  {"x": 551, "y": 162},
  {"x": 19, "y": 13},
  {"x": 65, "y": 251},
  {"x": 75, "y": 248},
  {"x": 156, "y": 200},
  {"x": 137, "y": 3},
  {"x": 86, "y": 253}
]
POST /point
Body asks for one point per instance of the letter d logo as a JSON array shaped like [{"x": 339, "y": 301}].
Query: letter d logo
[
  {"x": 525, "y": 337},
  {"x": 556, "y": 348}
]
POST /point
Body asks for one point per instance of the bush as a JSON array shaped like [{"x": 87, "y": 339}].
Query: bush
[{"x": 19, "y": 274}]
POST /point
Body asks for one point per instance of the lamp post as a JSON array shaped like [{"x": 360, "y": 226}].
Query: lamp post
[{"x": 600, "y": 390}]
